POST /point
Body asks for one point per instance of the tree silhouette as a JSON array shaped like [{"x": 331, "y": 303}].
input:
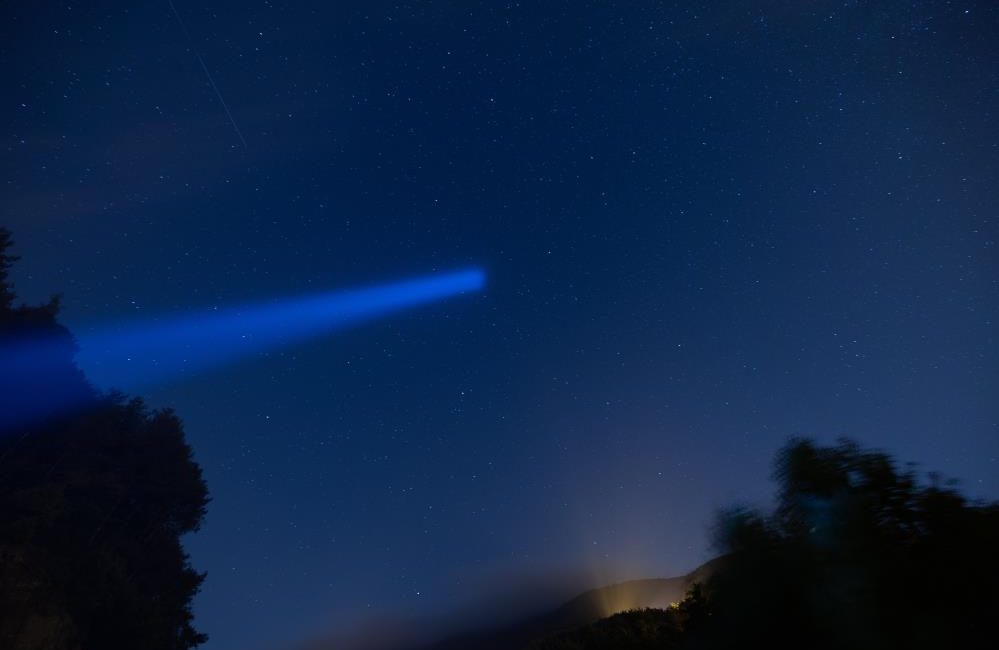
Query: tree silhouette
[
  {"x": 93, "y": 503},
  {"x": 859, "y": 554},
  {"x": 856, "y": 554}
]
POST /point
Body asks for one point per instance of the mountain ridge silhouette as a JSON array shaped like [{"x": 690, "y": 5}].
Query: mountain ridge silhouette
[{"x": 588, "y": 607}]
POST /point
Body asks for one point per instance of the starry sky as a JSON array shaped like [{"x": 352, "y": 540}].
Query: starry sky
[{"x": 707, "y": 227}]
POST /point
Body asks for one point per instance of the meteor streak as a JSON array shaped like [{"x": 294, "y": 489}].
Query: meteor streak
[
  {"x": 211, "y": 79},
  {"x": 147, "y": 352}
]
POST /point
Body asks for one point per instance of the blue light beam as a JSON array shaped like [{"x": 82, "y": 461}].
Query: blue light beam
[{"x": 143, "y": 353}]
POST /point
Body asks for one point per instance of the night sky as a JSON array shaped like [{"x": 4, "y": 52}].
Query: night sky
[{"x": 707, "y": 227}]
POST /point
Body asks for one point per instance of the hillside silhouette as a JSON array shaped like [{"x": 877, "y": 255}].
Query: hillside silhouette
[{"x": 584, "y": 609}]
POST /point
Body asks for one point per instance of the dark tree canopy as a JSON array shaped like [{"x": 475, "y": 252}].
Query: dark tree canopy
[
  {"x": 857, "y": 554},
  {"x": 93, "y": 504}
]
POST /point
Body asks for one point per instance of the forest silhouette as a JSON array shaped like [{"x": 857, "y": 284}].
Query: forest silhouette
[{"x": 859, "y": 551}]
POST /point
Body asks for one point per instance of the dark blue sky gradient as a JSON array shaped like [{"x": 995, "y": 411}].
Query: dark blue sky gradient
[{"x": 707, "y": 227}]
